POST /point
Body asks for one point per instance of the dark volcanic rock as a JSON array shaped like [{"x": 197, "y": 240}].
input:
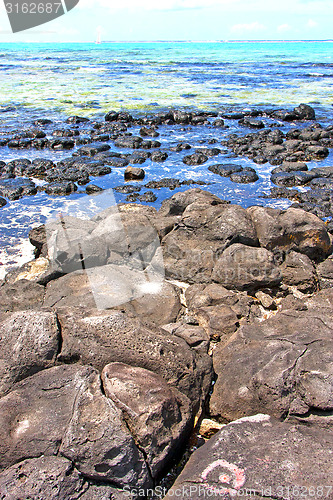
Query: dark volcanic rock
[
  {"x": 259, "y": 457},
  {"x": 3, "y": 202},
  {"x": 195, "y": 159},
  {"x": 225, "y": 170},
  {"x": 134, "y": 173},
  {"x": 282, "y": 366},
  {"x": 204, "y": 231},
  {"x": 45, "y": 477},
  {"x": 298, "y": 270},
  {"x": 289, "y": 179},
  {"x": 62, "y": 410},
  {"x": 29, "y": 343},
  {"x": 246, "y": 268},
  {"x": 159, "y": 156},
  {"x": 292, "y": 229},
  {"x": 60, "y": 188},
  {"x": 244, "y": 177},
  {"x": 251, "y": 123},
  {"x": 77, "y": 119},
  {"x": 305, "y": 112},
  {"x": 132, "y": 142},
  {"x": 102, "y": 337},
  {"x": 20, "y": 296},
  {"x": 92, "y": 189},
  {"x": 127, "y": 189},
  {"x": 13, "y": 189},
  {"x": 157, "y": 414},
  {"x": 287, "y": 166}
]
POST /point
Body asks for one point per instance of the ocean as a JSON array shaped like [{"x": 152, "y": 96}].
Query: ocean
[{"x": 58, "y": 80}]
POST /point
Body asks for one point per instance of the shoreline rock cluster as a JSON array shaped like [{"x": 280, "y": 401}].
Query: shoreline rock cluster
[{"x": 100, "y": 402}]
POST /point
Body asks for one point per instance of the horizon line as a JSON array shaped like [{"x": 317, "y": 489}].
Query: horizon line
[{"x": 176, "y": 41}]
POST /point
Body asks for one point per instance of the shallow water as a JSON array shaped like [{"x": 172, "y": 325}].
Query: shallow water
[{"x": 55, "y": 81}]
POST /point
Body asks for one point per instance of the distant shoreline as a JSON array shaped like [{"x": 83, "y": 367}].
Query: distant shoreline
[{"x": 169, "y": 41}]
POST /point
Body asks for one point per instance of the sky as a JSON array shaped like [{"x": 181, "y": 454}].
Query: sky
[{"x": 204, "y": 20}]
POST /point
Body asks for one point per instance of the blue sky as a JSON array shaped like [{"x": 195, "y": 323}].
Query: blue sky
[{"x": 183, "y": 20}]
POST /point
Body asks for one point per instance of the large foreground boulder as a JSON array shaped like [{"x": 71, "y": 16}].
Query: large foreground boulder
[
  {"x": 259, "y": 457},
  {"x": 101, "y": 337},
  {"x": 29, "y": 342},
  {"x": 282, "y": 366}
]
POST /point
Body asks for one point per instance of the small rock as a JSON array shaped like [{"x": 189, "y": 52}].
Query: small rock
[{"x": 134, "y": 173}]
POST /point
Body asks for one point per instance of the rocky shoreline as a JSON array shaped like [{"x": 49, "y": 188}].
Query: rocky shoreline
[{"x": 232, "y": 352}]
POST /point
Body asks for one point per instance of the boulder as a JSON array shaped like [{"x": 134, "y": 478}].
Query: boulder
[
  {"x": 20, "y": 296},
  {"x": 290, "y": 179},
  {"x": 259, "y": 457},
  {"x": 298, "y": 270},
  {"x": 134, "y": 173},
  {"x": 29, "y": 342},
  {"x": 305, "y": 112},
  {"x": 225, "y": 169},
  {"x": 192, "y": 248},
  {"x": 244, "y": 177},
  {"x": 292, "y": 229},
  {"x": 282, "y": 366},
  {"x": 62, "y": 411},
  {"x": 180, "y": 201},
  {"x": 132, "y": 142},
  {"x": 195, "y": 159},
  {"x": 325, "y": 273},
  {"x": 100, "y": 337},
  {"x": 39, "y": 478},
  {"x": 157, "y": 415},
  {"x": 14, "y": 189},
  {"x": 241, "y": 267},
  {"x": 60, "y": 188}
]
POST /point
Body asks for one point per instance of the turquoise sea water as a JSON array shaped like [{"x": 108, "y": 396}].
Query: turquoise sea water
[
  {"x": 58, "y": 80},
  {"x": 91, "y": 78}
]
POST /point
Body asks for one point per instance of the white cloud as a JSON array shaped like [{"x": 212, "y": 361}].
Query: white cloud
[
  {"x": 311, "y": 24},
  {"x": 241, "y": 29},
  {"x": 284, "y": 28}
]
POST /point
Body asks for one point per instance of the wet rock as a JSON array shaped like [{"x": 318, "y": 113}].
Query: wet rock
[
  {"x": 251, "y": 123},
  {"x": 60, "y": 188},
  {"x": 66, "y": 133},
  {"x": 102, "y": 337},
  {"x": 164, "y": 183},
  {"x": 131, "y": 142},
  {"x": 287, "y": 166},
  {"x": 157, "y": 415},
  {"x": 195, "y": 159},
  {"x": 91, "y": 150},
  {"x": 42, "y": 122},
  {"x": 77, "y": 119},
  {"x": 245, "y": 177},
  {"x": 218, "y": 123},
  {"x": 150, "y": 132},
  {"x": 305, "y": 112},
  {"x": 268, "y": 462},
  {"x": 59, "y": 144},
  {"x": 321, "y": 183},
  {"x": 111, "y": 116},
  {"x": 225, "y": 170},
  {"x": 246, "y": 268},
  {"x": 323, "y": 172},
  {"x": 29, "y": 343},
  {"x": 317, "y": 152},
  {"x": 134, "y": 173},
  {"x": 159, "y": 156},
  {"x": 210, "y": 152},
  {"x": 127, "y": 189},
  {"x": 289, "y": 179},
  {"x": 325, "y": 273},
  {"x": 3, "y": 202},
  {"x": 92, "y": 189},
  {"x": 147, "y": 197},
  {"x": 117, "y": 162},
  {"x": 62, "y": 411},
  {"x": 298, "y": 270},
  {"x": 45, "y": 477},
  {"x": 292, "y": 229},
  {"x": 14, "y": 189},
  {"x": 282, "y": 366},
  {"x": 20, "y": 296},
  {"x": 180, "y": 147}
]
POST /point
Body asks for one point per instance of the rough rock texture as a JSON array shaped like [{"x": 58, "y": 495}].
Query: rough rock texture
[
  {"x": 282, "y": 366},
  {"x": 101, "y": 337},
  {"x": 62, "y": 410},
  {"x": 29, "y": 342},
  {"x": 20, "y": 296},
  {"x": 298, "y": 270},
  {"x": 292, "y": 229},
  {"x": 246, "y": 268},
  {"x": 259, "y": 457},
  {"x": 325, "y": 273},
  {"x": 204, "y": 231},
  {"x": 157, "y": 415},
  {"x": 39, "y": 478}
]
